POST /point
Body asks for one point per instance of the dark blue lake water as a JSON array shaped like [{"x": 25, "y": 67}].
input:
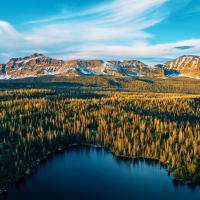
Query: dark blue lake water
[{"x": 89, "y": 173}]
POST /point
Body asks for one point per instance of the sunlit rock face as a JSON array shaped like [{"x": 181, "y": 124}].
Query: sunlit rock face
[
  {"x": 188, "y": 66},
  {"x": 39, "y": 65}
]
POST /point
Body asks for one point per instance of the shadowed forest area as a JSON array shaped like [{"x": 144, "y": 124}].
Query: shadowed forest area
[{"x": 106, "y": 83}]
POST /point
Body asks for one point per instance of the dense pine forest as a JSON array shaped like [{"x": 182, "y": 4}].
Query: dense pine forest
[{"x": 35, "y": 122}]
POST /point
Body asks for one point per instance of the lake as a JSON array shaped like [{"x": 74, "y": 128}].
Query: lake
[{"x": 83, "y": 172}]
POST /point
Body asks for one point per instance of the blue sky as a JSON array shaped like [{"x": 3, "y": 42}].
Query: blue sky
[{"x": 152, "y": 31}]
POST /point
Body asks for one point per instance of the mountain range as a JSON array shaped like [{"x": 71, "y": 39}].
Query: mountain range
[{"x": 39, "y": 65}]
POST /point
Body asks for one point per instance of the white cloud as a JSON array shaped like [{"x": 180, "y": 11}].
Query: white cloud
[
  {"x": 140, "y": 51},
  {"x": 110, "y": 12},
  {"x": 6, "y": 28},
  {"x": 111, "y": 30}
]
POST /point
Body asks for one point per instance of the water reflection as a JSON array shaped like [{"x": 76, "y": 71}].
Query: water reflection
[
  {"x": 138, "y": 161},
  {"x": 175, "y": 183},
  {"x": 123, "y": 161},
  {"x": 20, "y": 183},
  {"x": 5, "y": 195},
  {"x": 84, "y": 168},
  {"x": 191, "y": 186}
]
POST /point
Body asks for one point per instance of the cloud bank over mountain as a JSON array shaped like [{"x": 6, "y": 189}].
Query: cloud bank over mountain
[{"x": 109, "y": 30}]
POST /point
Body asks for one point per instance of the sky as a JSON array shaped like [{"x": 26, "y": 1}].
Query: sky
[{"x": 152, "y": 31}]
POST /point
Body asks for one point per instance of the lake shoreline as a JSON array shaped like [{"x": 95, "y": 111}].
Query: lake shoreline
[{"x": 28, "y": 171}]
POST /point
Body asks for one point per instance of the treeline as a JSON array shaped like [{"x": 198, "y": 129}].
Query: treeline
[
  {"x": 163, "y": 127},
  {"x": 145, "y": 84},
  {"x": 139, "y": 84}
]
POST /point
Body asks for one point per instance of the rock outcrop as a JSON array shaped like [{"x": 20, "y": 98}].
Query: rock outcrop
[{"x": 188, "y": 66}]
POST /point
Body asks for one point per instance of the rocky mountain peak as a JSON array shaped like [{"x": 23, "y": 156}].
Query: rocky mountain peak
[
  {"x": 187, "y": 65},
  {"x": 39, "y": 65}
]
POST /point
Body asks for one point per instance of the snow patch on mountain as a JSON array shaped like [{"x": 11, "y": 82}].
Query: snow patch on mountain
[
  {"x": 109, "y": 65},
  {"x": 6, "y": 76},
  {"x": 84, "y": 70},
  {"x": 38, "y": 65}
]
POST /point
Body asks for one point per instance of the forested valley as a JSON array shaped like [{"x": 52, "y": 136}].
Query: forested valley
[{"x": 35, "y": 122}]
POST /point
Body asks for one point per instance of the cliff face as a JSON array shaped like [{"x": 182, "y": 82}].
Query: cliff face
[
  {"x": 30, "y": 66},
  {"x": 184, "y": 66},
  {"x": 40, "y": 65}
]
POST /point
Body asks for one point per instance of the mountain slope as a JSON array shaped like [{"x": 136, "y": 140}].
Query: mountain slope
[
  {"x": 183, "y": 66},
  {"x": 38, "y": 65}
]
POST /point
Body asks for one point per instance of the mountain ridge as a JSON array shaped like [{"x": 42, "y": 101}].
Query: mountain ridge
[{"x": 39, "y": 65}]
